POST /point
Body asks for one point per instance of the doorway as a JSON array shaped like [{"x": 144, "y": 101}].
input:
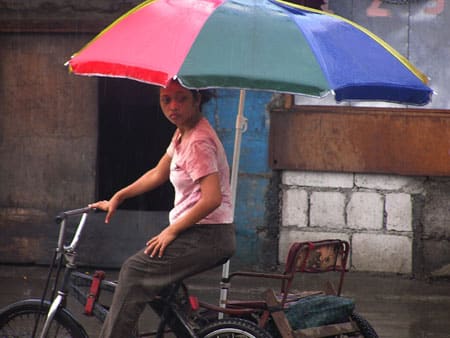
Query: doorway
[{"x": 133, "y": 135}]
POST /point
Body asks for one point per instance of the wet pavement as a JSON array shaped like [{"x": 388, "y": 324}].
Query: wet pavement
[{"x": 396, "y": 306}]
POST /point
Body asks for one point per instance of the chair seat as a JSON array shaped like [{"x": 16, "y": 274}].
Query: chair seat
[{"x": 318, "y": 310}]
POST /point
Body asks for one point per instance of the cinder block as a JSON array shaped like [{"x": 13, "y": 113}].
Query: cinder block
[
  {"x": 382, "y": 253},
  {"x": 288, "y": 236},
  {"x": 295, "y": 208},
  {"x": 317, "y": 179},
  {"x": 389, "y": 182},
  {"x": 365, "y": 211},
  {"x": 327, "y": 209},
  {"x": 399, "y": 212}
]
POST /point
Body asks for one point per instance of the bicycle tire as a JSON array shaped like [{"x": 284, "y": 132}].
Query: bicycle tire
[
  {"x": 366, "y": 330},
  {"x": 18, "y": 320},
  {"x": 233, "y": 328}
]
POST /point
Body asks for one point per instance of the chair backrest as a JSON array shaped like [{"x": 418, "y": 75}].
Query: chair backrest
[{"x": 316, "y": 257}]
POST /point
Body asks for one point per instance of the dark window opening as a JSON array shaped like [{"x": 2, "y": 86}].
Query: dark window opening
[{"x": 133, "y": 135}]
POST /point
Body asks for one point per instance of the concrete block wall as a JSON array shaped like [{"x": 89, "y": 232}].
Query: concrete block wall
[{"x": 372, "y": 212}]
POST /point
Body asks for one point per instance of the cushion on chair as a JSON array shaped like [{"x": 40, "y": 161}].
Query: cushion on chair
[{"x": 319, "y": 310}]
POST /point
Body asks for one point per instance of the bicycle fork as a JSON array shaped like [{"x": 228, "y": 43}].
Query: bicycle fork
[
  {"x": 52, "y": 312},
  {"x": 59, "y": 300}
]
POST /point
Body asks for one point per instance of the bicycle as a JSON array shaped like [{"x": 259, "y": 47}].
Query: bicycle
[
  {"x": 182, "y": 313},
  {"x": 179, "y": 312}
]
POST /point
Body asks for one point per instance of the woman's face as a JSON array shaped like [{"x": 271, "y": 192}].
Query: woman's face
[{"x": 179, "y": 105}]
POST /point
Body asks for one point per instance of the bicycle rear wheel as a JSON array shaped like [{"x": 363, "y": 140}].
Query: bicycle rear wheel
[
  {"x": 233, "y": 328},
  {"x": 19, "y": 319},
  {"x": 367, "y": 331}
]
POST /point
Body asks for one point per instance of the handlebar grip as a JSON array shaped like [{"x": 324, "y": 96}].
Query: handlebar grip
[{"x": 74, "y": 212}]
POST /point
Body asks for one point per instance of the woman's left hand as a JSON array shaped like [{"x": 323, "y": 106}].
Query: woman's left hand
[{"x": 158, "y": 244}]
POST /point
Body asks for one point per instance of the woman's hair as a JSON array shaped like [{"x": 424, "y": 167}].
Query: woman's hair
[{"x": 206, "y": 95}]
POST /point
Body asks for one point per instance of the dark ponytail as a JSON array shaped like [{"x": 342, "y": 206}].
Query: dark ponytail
[{"x": 206, "y": 95}]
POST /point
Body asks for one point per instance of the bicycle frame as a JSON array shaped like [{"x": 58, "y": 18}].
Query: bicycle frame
[
  {"x": 79, "y": 280},
  {"x": 163, "y": 306}
]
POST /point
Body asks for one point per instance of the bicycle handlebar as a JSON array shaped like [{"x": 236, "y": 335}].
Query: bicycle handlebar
[
  {"x": 65, "y": 214},
  {"x": 62, "y": 218}
]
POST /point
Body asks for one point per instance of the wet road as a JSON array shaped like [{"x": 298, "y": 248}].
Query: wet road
[{"x": 396, "y": 306}]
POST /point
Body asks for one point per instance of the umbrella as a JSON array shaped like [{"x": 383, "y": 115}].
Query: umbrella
[
  {"x": 251, "y": 44},
  {"x": 257, "y": 44}
]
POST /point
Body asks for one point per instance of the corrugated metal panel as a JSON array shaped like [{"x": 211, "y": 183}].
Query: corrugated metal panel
[{"x": 370, "y": 140}]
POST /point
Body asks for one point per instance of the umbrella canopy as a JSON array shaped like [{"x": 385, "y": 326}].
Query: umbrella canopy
[{"x": 252, "y": 44}]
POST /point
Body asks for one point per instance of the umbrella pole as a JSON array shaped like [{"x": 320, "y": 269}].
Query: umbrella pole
[{"x": 241, "y": 126}]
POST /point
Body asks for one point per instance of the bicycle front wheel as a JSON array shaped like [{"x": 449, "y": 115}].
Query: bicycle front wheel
[
  {"x": 233, "y": 328},
  {"x": 19, "y": 320}
]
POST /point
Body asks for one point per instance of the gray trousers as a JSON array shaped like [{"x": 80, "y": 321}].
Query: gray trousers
[{"x": 141, "y": 277}]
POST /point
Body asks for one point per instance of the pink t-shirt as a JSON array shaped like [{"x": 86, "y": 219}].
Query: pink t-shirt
[{"x": 199, "y": 155}]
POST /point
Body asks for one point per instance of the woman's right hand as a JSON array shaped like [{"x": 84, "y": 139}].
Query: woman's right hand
[{"x": 108, "y": 206}]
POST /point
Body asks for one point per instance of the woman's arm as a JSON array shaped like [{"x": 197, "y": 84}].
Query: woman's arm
[
  {"x": 211, "y": 198},
  {"x": 149, "y": 181}
]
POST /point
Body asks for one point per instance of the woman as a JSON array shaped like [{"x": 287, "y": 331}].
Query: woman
[{"x": 200, "y": 234}]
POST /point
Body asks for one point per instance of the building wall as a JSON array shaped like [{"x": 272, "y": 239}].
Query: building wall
[
  {"x": 48, "y": 131},
  {"x": 396, "y": 224},
  {"x": 256, "y": 239}
]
